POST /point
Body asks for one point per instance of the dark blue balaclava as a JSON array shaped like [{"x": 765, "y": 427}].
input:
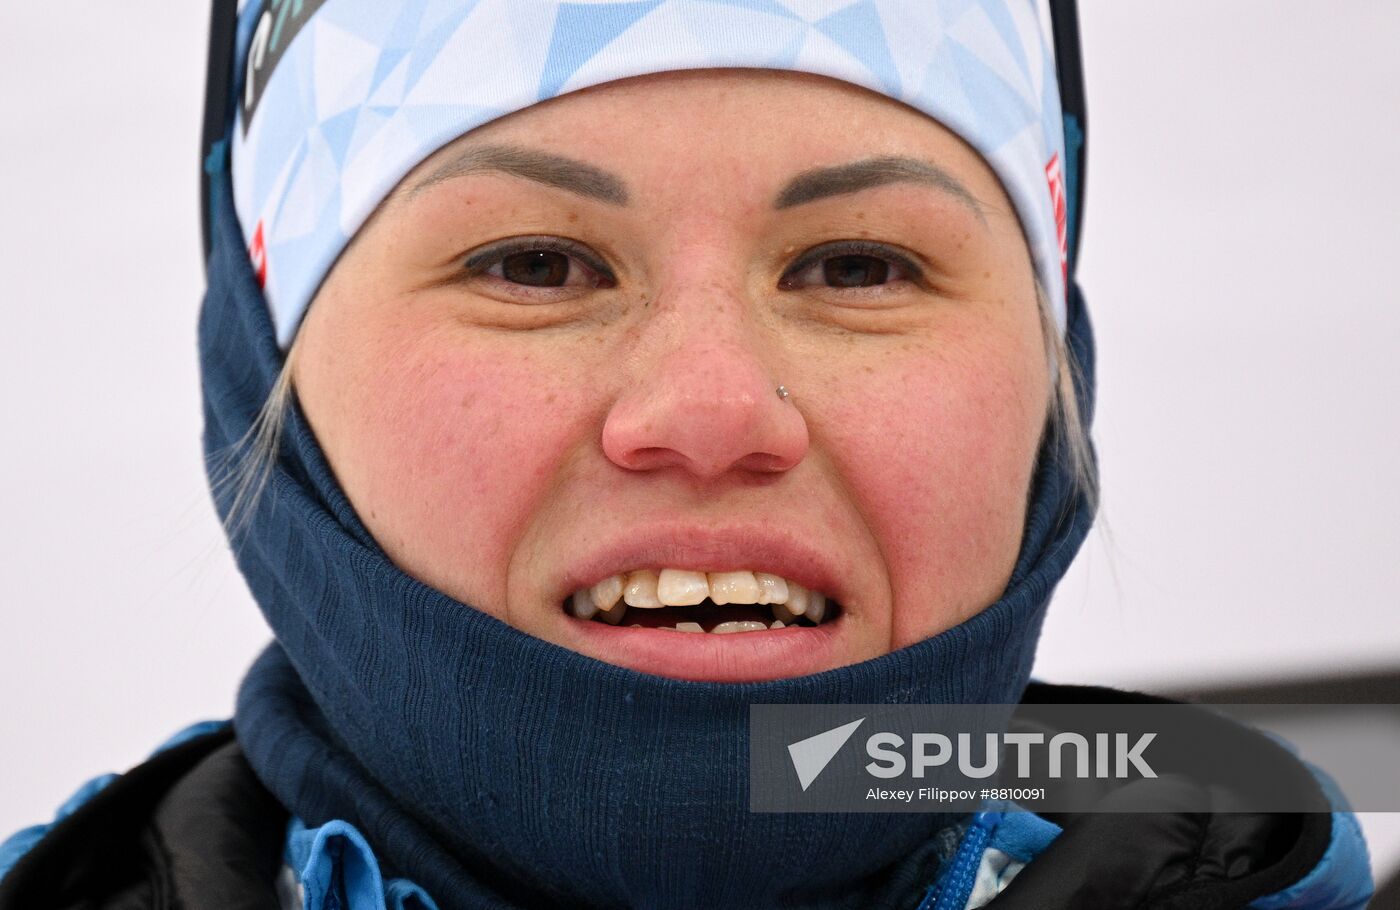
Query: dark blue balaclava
[{"x": 496, "y": 769}]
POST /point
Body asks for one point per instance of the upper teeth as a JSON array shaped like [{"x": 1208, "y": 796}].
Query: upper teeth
[
  {"x": 648, "y": 589},
  {"x": 641, "y": 590}
]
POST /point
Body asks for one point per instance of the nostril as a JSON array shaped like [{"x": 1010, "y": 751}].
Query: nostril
[
  {"x": 765, "y": 463},
  {"x": 649, "y": 458}
]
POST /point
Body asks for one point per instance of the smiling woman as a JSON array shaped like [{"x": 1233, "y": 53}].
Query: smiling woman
[{"x": 565, "y": 400}]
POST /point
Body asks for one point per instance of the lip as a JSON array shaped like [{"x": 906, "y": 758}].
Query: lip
[
  {"x": 711, "y": 657},
  {"x": 738, "y": 657}
]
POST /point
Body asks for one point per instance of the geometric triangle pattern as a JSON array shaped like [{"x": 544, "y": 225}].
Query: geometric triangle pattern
[{"x": 364, "y": 90}]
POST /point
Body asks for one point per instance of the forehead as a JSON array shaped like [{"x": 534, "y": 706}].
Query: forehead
[{"x": 745, "y": 126}]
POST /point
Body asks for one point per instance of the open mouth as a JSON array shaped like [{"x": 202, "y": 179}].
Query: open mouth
[{"x": 682, "y": 600}]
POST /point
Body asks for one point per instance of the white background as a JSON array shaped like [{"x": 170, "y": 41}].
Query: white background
[{"x": 1241, "y": 238}]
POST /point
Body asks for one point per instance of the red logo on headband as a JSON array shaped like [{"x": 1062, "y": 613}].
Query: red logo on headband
[
  {"x": 1056, "y": 179},
  {"x": 257, "y": 251}
]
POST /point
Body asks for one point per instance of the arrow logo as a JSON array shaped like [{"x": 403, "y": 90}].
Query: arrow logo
[{"x": 810, "y": 756}]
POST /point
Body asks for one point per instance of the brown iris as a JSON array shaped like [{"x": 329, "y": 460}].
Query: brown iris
[
  {"x": 536, "y": 268},
  {"x": 855, "y": 271}
]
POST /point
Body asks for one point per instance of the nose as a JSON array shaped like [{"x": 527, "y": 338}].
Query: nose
[{"x": 703, "y": 397}]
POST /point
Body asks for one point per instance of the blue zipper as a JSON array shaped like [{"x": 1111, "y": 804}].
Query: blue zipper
[{"x": 954, "y": 887}]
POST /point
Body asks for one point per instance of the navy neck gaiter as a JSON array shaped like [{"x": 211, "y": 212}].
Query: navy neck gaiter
[{"x": 496, "y": 769}]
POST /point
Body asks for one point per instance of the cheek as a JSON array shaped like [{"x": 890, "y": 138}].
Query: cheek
[
  {"x": 939, "y": 447},
  {"x": 448, "y": 454}
]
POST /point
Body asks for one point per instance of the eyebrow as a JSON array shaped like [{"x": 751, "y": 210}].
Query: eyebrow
[
  {"x": 592, "y": 182},
  {"x": 557, "y": 171},
  {"x": 825, "y": 182}
]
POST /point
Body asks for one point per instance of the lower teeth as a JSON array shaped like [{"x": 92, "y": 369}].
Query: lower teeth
[{"x": 781, "y": 618}]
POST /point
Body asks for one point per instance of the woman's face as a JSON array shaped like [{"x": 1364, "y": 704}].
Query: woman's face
[{"x": 550, "y": 362}]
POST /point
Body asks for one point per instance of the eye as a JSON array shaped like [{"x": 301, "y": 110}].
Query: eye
[
  {"x": 541, "y": 262},
  {"x": 852, "y": 264}
]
